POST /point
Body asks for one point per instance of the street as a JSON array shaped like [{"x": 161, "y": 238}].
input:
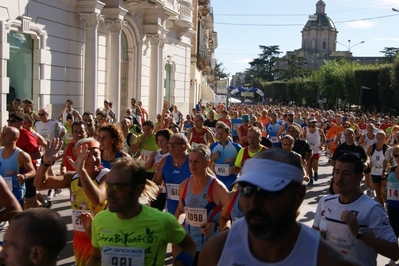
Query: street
[{"x": 307, "y": 210}]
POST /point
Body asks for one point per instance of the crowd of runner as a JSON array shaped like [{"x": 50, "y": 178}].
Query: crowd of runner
[{"x": 121, "y": 171}]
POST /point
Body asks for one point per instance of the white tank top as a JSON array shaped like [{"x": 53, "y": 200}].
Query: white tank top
[
  {"x": 314, "y": 140},
  {"x": 377, "y": 158},
  {"x": 237, "y": 252},
  {"x": 369, "y": 141}
]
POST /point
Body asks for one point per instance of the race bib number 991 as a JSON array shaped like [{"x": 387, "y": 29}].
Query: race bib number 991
[{"x": 122, "y": 256}]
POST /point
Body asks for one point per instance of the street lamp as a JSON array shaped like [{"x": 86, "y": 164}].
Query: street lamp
[{"x": 349, "y": 47}]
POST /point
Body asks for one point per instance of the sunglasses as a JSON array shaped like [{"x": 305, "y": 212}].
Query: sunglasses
[
  {"x": 396, "y": 156},
  {"x": 118, "y": 186},
  {"x": 247, "y": 190},
  {"x": 312, "y": 125},
  {"x": 41, "y": 114}
]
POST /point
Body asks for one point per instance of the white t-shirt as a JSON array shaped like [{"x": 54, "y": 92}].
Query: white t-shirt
[
  {"x": 49, "y": 130},
  {"x": 371, "y": 217}
]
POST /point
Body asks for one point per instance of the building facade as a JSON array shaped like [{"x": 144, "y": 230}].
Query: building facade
[{"x": 89, "y": 51}]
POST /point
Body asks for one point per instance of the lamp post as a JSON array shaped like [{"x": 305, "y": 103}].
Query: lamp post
[{"x": 349, "y": 46}]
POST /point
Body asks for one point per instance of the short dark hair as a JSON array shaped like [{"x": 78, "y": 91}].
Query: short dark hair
[
  {"x": 354, "y": 160},
  {"x": 44, "y": 228},
  {"x": 87, "y": 113},
  {"x": 166, "y": 133},
  {"x": 69, "y": 101},
  {"x": 69, "y": 116},
  {"x": 132, "y": 168},
  {"x": 17, "y": 99},
  {"x": 148, "y": 123}
]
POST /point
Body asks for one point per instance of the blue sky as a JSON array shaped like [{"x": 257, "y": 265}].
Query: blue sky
[{"x": 371, "y": 21}]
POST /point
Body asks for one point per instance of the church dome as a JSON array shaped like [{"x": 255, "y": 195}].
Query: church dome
[{"x": 320, "y": 20}]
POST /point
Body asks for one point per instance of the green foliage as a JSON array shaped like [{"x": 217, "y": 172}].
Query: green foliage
[
  {"x": 220, "y": 71},
  {"x": 390, "y": 53},
  {"x": 263, "y": 66}
]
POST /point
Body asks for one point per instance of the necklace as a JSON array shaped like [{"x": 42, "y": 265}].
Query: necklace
[{"x": 177, "y": 163}]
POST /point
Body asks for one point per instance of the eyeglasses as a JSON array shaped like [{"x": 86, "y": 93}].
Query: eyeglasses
[
  {"x": 41, "y": 114},
  {"x": 396, "y": 156},
  {"x": 312, "y": 125},
  {"x": 118, "y": 186},
  {"x": 170, "y": 144},
  {"x": 347, "y": 127},
  {"x": 246, "y": 190}
]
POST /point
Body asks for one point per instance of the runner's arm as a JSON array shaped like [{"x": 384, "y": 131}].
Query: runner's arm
[{"x": 95, "y": 258}]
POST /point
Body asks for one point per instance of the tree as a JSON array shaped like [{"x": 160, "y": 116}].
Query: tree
[
  {"x": 290, "y": 67},
  {"x": 263, "y": 66},
  {"x": 220, "y": 71},
  {"x": 390, "y": 53}
]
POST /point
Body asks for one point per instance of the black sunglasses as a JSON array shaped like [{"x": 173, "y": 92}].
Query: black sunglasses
[{"x": 247, "y": 189}]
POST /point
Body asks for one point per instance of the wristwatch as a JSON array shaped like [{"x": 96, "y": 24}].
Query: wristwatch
[{"x": 360, "y": 233}]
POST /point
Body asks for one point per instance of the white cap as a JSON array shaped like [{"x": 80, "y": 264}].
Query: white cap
[{"x": 269, "y": 175}]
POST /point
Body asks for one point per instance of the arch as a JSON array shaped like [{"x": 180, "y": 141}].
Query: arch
[{"x": 134, "y": 46}]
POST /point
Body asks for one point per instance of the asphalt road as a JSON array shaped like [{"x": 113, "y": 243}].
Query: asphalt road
[{"x": 307, "y": 210}]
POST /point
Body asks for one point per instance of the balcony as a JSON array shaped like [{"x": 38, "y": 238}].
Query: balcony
[{"x": 185, "y": 14}]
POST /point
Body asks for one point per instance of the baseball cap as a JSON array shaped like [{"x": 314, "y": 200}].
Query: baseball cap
[
  {"x": 290, "y": 113},
  {"x": 245, "y": 117},
  {"x": 268, "y": 174},
  {"x": 17, "y": 116},
  {"x": 312, "y": 120}
]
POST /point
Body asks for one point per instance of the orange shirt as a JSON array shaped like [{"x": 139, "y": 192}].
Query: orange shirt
[{"x": 334, "y": 131}]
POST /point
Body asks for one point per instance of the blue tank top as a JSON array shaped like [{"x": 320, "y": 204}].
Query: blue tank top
[
  {"x": 9, "y": 169},
  {"x": 229, "y": 151},
  {"x": 392, "y": 190},
  {"x": 195, "y": 207},
  {"x": 108, "y": 164},
  {"x": 234, "y": 210},
  {"x": 173, "y": 177},
  {"x": 235, "y": 123}
]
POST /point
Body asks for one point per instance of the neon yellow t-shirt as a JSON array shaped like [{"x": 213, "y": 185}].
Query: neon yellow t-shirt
[
  {"x": 143, "y": 237},
  {"x": 240, "y": 155},
  {"x": 148, "y": 146}
]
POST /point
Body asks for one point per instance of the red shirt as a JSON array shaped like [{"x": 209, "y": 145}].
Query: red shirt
[
  {"x": 69, "y": 154},
  {"x": 27, "y": 143}
]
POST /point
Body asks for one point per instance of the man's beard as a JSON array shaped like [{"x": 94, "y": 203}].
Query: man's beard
[{"x": 267, "y": 229}]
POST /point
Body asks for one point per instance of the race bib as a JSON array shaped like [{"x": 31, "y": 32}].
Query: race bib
[
  {"x": 122, "y": 256},
  {"x": 8, "y": 180},
  {"x": 145, "y": 155},
  {"x": 222, "y": 169},
  {"x": 173, "y": 191},
  {"x": 274, "y": 139},
  {"x": 77, "y": 225},
  {"x": 195, "y": 216},
  {"x": 235, "y": 126},
  {"x": 392, "y": 191}
]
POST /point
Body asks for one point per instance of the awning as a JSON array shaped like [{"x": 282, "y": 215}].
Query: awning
[{"x": 207, "y": 94}]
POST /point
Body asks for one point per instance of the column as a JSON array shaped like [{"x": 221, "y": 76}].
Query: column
[
  {"x": 90, "y": 92},
  {"x": 113, "y": 92},
  {"x": 4, "y": 81},
  {"x": 161, "y": 71},
  {"x": 153, "y": 100}
]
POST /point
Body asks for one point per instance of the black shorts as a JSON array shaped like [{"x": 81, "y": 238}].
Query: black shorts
[
  {"x": 30, "y": 188},
  {"x": 376, "y": 179}
]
